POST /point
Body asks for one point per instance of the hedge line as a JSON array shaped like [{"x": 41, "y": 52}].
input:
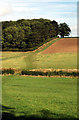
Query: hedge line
[
  {"x": 7, "y": 71},
  {"x": 60, "y": 73},
  {"x": 36, "y": 73}
]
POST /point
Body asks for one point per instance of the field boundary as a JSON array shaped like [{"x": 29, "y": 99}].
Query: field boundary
[
  {"x": 46, "y": 45},
  {"x": 57, "y": 76},
  {"x": 48, "y": 73},
  {"x": 42, "y": 70}
]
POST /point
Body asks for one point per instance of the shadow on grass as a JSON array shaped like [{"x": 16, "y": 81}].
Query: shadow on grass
[{"x": 44, "y": 115}]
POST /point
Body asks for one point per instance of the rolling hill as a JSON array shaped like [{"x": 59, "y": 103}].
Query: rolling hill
[
  {"x": 62, "y": 46},
  {"x": 57, "y": 54}
]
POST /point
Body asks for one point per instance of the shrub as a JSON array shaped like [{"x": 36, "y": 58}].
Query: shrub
[
  {"x": 60, "y": 73},
  {"x": 0, "y": 71},
  {"x": 8, "y": 71}
]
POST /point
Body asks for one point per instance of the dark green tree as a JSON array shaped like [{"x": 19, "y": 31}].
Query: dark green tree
[{"x": 64, "y": 29}]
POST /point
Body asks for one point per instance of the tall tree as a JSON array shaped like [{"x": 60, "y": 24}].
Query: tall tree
[{"x": 64, "y": 29}]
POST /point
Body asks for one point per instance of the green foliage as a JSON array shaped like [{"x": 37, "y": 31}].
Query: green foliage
[
  {"x": 53, "y": 73},
  {"x": 8, "y": 71},
  {"x": 64, "y": 29},
  {"x": 24, "y": 35}
]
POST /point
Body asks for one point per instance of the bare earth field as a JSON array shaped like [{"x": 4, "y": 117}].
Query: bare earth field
[{"x": 63, "y": 45}]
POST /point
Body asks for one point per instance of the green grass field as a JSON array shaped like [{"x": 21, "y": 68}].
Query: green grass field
[
  {"x": 31, "y": 60},
  {"x": 39, "y": 98}
]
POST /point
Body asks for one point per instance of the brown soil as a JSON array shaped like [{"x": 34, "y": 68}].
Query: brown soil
[
  {"x": 44, "y": 45},
  {"x": 63, "y": 45}
]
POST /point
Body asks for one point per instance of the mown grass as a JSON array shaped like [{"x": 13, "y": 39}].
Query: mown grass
[
  {"x": 33, "y": 60},
  {"x": 37, "y": 98},
  {"x": 56, "y": 61},
  {"x": 14, "y": 59}
]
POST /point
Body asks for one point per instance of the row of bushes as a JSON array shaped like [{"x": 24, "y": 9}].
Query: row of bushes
[
  {"x": 36, "y": 73},
  {"x": 7, "y": 71},
  {"x": 60, "y": 73}
]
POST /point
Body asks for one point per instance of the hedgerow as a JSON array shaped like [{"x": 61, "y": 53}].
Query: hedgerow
[
  {"x": 7, "y": 71},
  {"x": 53, "y": 73}
]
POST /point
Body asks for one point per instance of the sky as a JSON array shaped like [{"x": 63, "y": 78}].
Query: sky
[{"x": 58, "y": 10}]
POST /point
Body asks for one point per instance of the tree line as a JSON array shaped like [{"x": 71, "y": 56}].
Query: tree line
[{"x": 24, "y": 35}]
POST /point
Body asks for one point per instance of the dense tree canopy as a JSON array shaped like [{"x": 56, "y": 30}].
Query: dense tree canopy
[{"x": 28, "y": 34}]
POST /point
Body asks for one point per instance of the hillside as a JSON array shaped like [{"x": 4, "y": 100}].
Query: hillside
[
  {"x": 60, "y": 59},
  {"x": 63, "y": 45}
]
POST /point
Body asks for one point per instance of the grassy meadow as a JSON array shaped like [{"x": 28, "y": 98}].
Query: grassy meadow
[
  {"x": 39, "y": 98},
  {"x": 31, "y": 60},
  {"x": 36, "y": 59}
]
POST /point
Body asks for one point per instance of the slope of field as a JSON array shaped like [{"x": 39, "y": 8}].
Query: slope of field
[
  {"x": 37, "y": 61},
  {"x": 55, "y": 61},
  {"x": 36, "y": 98},
  {"x": 62, "y": 46},
  {"x": 58, "y": 57}
]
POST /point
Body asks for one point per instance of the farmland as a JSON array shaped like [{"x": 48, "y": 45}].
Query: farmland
[
  {"x": 63, "y": 46},
  {"x": 63, "y": 59},
  {"x": 36, "y": 61},
  {"x": 41, "y": 98}
]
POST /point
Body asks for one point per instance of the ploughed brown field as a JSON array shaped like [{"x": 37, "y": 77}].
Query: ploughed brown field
[{"x": 63, "y": 45}]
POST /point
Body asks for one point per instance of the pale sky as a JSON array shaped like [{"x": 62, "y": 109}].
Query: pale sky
[{"x": 48, "y": 9}]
